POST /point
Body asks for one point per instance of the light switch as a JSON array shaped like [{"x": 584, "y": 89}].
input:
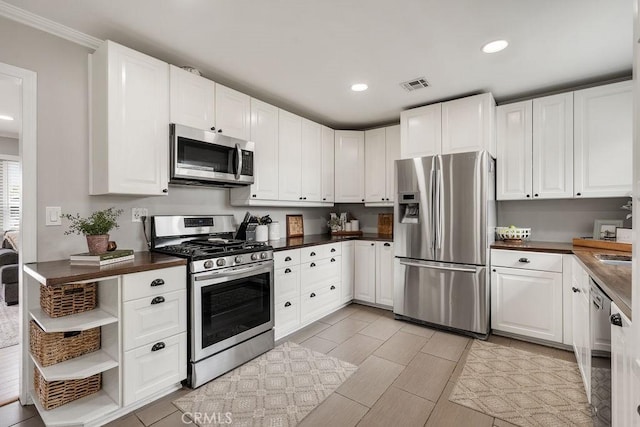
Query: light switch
[{"x": 53, "y": 215}]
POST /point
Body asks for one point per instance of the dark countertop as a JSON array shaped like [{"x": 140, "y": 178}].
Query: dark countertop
[
  {"x": 614, "y": 280},
  {"x": 51, "y": 273},
  {"x": 319, "y": 239}
]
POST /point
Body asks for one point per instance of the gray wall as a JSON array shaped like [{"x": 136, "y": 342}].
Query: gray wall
[
  {"x": 9, "y": 146},
  {"x": 559, "y": 220}
]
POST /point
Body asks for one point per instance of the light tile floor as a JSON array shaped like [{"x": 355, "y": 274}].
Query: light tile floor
[{"x": 406, "y": 373}]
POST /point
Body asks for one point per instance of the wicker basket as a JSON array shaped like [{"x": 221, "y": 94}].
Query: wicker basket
[
  {"x": 55, "y": 347},
  {"x": 72, "y": 298},
  {"x": 57, "y": 393}
]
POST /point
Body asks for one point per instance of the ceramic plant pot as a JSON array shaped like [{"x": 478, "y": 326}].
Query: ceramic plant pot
[{"x": 98, "y": 244}]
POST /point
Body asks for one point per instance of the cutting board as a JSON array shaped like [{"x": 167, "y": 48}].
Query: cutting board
[
  {"x": 385, "y": 224},
  {"x": 602, "y": 244}
]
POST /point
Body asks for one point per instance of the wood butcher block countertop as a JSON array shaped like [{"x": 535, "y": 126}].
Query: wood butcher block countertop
[
  {"x": 319, "y": 239},
  {"x": 52, "y": 273},
  {"x": 614, "y": 280}
]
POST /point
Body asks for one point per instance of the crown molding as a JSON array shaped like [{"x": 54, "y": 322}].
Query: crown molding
[{"x": 36, "y": 21}]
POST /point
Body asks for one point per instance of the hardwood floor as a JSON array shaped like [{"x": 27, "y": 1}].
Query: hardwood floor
[
  {"x": 406, "y": 373},
  {"x": 9, "y": 374}
]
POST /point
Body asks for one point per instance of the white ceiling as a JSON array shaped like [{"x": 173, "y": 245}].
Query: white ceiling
[
  {"x": 10, "y": 94},
  {"x": 303, "y": 55}
]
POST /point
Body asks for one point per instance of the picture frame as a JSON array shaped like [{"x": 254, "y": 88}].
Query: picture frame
[
  {"x": 295, "y": 226},
  {"x": 605, "y": 229},
  {"x": 624, "y": 235}
]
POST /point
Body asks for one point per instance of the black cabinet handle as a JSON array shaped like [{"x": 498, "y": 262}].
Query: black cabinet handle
[
  {"x": 524, "y": 260},
  {"x": 332, "y": 287},
  {"x": 165, "y": 190},
  {"x": 312, "y": 254},
  {"x": 324, "y": 198},
  {"x": 494, "y": 270},
  {"x": 157, "y": 282},
  {"x": 286, "y": 271},
  {"x": 304, "y": 198},
  {"x": 372, "y": 244},
  {"x": 363, "y": 200},
  {"x": 387, "y": 244},
  {"x": 333, "y": 260},
  {"x": 253, "y": 195},
  {"x": 287, "y": 304},
  {"x": 71, "y": 334},
  {"x": 312, "y": 295},
  {"x": 528, "y": 195},
  {"x": 535, "y": 195},
  {"x": 158, "y": 346},
  {"x": 616, "y": 319},
  {"x": 313, "y": 264},
  {"x": 299, "y": 198},
  {"x": 287, "y": 258},
  {"x": 575, "y": 290},
  {"x": 213, "y": 128},
  {"x": 157, "y": 300},
  {"x": 383, "y": 199},
  {"x": 333, "y": 249},
  {"x": 219, "y": 130},
  {"x": 578, "y": 194}
]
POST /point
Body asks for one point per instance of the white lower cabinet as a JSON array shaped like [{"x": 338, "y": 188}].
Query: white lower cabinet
[
  {"x": 287, "y": 316},
  {"x": 526, "y": 294},
  {"x": 384, "y": 273},
  {"x": 152, "y": 367},
  {"x": 623, "y": 412},
  {"x": 318, "y": 302},
  {"x": 348, "y": 260},
  {"x": 364, "y": 284},
  {"x": 580, "y": 322}
]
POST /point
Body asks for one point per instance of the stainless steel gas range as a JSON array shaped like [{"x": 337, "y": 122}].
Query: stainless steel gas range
[{"x": 230, "y": 291}]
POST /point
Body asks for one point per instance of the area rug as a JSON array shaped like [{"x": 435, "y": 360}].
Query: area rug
[
  {"x": 522, "y": 388},
  {"x": 278, "y": 388},
  {"x": 9, "y": 324}
]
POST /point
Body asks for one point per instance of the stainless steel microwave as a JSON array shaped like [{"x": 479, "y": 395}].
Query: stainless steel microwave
[{"x": 200, "y": 157}]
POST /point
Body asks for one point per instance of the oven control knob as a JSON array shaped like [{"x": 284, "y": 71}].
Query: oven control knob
[
  {"x": 263, "y": 255},
  {"x": 254, "y": 257},
  {"x": 220, "y": 262},
  {"x": 238, "y": 259},
  {"x": 208, "y": 264}
]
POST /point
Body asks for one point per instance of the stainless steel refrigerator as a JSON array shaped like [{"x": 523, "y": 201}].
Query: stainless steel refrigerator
[{"x": 444, "y": 224}]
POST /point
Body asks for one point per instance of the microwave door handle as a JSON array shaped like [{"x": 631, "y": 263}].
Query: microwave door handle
[{"x": 238, "y": 161}]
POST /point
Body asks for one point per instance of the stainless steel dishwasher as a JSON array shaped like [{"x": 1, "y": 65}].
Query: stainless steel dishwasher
[{"x": 600, "y": 355}]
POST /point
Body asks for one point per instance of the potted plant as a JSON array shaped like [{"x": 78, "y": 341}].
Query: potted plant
[{"x": 96, "y": 228}]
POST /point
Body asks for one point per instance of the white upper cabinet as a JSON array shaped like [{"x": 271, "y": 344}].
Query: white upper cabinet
[
  {"x": 468, "y": 124},
  {"x": 328, "y": 165},
  {"x": 392, "y": 154},
  {"x": 421, "y": 131},
  {"x": 603, "y": 141},
  {"x": 375, "y": 165},
  {"x": 129, "y": 122},
  {"x": 349, "y": 166},
  {"x": 264, "y": 134},
  {"x": 553, "y": 147},
  {"x": 290, "y": 153},
  {"x": 233, "y": 112},
  {"x": 192, "y": 99},
  {"x": 311, "y": 161},
  {"x": 514, "y": 151}
]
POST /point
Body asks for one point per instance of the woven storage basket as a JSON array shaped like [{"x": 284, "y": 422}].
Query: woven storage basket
[
  {"x": 57, "y": 393},
  {"x": 72, "y": 298},
  {"x": 55, "y": 347}
]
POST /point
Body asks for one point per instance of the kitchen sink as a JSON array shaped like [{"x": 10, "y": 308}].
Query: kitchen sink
[{"x": 614, "y": 259}]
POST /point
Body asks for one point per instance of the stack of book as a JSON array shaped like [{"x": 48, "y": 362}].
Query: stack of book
[{"x": 106, "y": 258}]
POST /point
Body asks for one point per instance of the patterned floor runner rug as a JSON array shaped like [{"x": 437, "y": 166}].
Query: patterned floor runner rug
[
  {"x": 522, "y": 388},
  {"x": 278, "y": 388}
]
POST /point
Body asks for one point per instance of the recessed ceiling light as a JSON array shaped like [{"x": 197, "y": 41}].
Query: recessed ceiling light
[
  {"x": 3, "y": 117},
  {"x": 495, "y": 46},
  {"x": 359, "y": 87}
]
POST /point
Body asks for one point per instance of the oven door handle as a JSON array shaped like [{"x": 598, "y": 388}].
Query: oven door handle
[
  {"x": 234, "y": 271},
  {"x": 238, "y": 161}
]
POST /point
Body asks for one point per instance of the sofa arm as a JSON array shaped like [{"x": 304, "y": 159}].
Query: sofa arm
[
  {"x": 9, "y": 273},
  {"x": 8, "y": 256}
]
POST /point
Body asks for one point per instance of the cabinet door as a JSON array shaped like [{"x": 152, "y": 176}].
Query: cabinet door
[
  {"x": 384, "y": 273},
  {"x": 348, "y": 260},
  {"x": 553, "y": 147},
  {"x": 365, "y": 271},
  {"x": 130, "y": 116},
  {"x": 527, "y": 302},
  {"x": 622, "y": 413},
  {"x": 264, "y": 134},
  {"x": 289, "y": 154},
  {"x": 192, "y": 99},
  {"x": 233, "y": 112},
  {"x": 328, "y": 164},
  {"x": 421, "y": 131},
  {"x": 467, "y": 124},
  {"x": 287, "y": 316},
  {"x": 349, "y": 167},
  {"x": 287, "y": 283},
  {"x": 603, "y": 141},
  {"x": 392, "y": 136},
  {"x": 515, "y": 151},
  {"x": 375, "y": 165},
  {"x": 311, "y": 163}
]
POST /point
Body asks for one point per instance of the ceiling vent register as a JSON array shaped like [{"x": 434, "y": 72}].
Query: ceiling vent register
[{"x": 415, "y": 84}]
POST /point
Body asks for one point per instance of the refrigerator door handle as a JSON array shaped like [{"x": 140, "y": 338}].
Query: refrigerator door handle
[
  {"x": 437, "y": 267},
  {"x": 439, "y": 204},
  {"x": 432, "y": 207}
]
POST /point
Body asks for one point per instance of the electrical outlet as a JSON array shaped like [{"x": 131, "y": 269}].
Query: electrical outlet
[
  {"x": 138, "y": 213},
  {"x": 53, "y": 215}
]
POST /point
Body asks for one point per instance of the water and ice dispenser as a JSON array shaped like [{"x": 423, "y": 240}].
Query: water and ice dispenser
[{"x": 409, "y": 205}]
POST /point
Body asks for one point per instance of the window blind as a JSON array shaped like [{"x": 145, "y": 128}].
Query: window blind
[{"x": 11, "y": 194}]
